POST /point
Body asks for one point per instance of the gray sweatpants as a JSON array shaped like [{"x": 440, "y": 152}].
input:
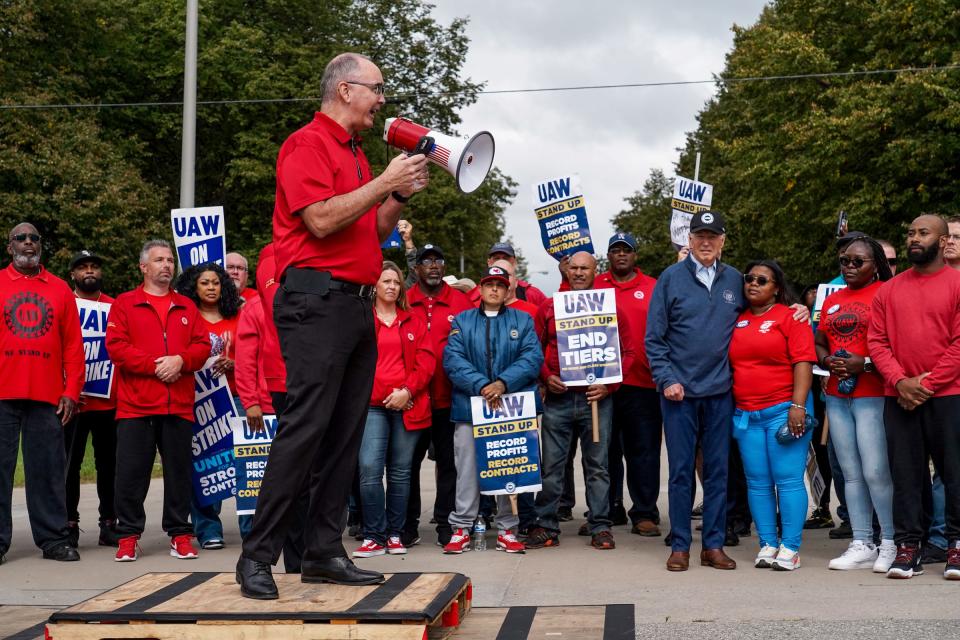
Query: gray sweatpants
[{"x": 468, "y": 485}]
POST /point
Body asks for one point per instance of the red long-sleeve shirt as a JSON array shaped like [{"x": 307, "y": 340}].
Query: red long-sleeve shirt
[
  {"x": 633, "y": 300},
  {"x": 40, "y": 338},
  {"x": 255, "y": 350},
  {"x": 437, "y": 313},
  {"x": 915, "y": 328}
]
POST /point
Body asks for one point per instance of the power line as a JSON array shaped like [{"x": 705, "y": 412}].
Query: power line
[{"x": 426, "y": 94}]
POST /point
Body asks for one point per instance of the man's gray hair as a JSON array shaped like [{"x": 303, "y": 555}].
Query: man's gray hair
[
  {"x": 152, "y": 244},
  {"x": 338, "y": 70}
]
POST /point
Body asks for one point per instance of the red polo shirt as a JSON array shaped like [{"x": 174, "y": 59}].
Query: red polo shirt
[
  {"x": 633, "y": 299},
  {"x": 40, "y": 339},
  {"x": 437, "y": 313},
  {"x": 316, "y": 163}
]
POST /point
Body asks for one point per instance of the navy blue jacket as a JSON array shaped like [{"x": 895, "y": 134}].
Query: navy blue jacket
[
  {"x": 482, "y": 350},
  {"x": 689, "y": 328}
]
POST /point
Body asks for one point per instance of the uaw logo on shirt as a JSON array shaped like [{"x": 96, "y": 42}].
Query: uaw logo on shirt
[
  {"x": 767, "y": 325},
  {"x": 743, "y": 324},
  {"x": 28, "y": 315},
  {"x": 728, "y": 297},
  {"x": 514, "y": 334},
  {"x": 638, "y": 294}
]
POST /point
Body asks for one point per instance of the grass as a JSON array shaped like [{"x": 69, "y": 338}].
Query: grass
[{"x": 88, "y": 472}]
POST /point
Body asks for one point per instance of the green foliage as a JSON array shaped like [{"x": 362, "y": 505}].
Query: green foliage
[
  {"x": 114, "y": 51},
  {"x": 786, "y": 156},
  {"x": 648, "y": 218}
]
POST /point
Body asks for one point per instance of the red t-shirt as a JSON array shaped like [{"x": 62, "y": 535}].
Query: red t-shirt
[
  {"x": 763, "y": 351},
  {"x": 523, "y": 305},
  {"x": 316, "y": 163},
  {"x": 223, "y": 334},
  {"x": 391, "y": 373},
  {"x": 633, "y": 300},
  {"x": 845, "y": 320},
  {"x": 161, "y": 305},
  {"x": 40, "y": 342},
  {"x": 91, "y": 403}
]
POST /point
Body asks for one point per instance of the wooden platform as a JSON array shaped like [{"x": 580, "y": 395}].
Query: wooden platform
[
  {"x": 176, "y": 606},
  {"x": 601, "y": 622}
]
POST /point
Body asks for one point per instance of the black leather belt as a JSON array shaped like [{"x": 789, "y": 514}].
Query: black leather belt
[{"x": 299, "y": 280}]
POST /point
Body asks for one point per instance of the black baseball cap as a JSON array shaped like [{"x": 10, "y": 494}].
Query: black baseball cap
[
  {"x": 85, "y": 256},
  {"x": 708, "y": 221},
  {"x": 502, "y": 247},
  {"x": 429, "y": 248},
  {"x": 495, "y": 273},
  {"x": 622, "y": 237},
  {"x": 849, "y": 237}
]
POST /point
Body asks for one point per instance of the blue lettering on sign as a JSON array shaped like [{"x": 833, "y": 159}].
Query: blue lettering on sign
[
  {"x": 554, "y": 190},
  {"x": 267, "y": 434},
  {"x": 186, "y": 227},
  {"x": 93, "y": 320},
  {"x": 205, "y": 380},
  {"x": 692, "y": 191},
  {"x": 512, "y": 406},
  {"x": 583, "y": 302}
]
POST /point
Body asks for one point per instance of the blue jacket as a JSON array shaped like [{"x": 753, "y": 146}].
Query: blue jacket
[
  {"x": 481, "y": 350},
  {"x": 689, "y": 328}
]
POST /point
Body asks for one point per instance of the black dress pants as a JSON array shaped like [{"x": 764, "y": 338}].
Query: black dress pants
[
  {"x": 102, "y": 426},
  {"x": 330, "y": 350}
]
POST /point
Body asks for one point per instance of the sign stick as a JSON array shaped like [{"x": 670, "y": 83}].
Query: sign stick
[
  {"x": 696, "y": 169},
  {"x": 596, "y": 421},
  {"x": 513, "y": 503}
]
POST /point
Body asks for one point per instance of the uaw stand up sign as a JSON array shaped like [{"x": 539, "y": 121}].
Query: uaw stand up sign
[
  {"x": 689, "y": 197},
  {"x": 562, "y": 213},
  {"x": 507, "y": 444}
]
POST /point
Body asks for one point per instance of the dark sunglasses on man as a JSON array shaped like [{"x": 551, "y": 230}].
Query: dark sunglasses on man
[{"x": 22, "y": 237}]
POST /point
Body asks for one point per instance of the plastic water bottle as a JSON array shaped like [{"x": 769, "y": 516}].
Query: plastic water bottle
[{"x": 480, "y": 535}]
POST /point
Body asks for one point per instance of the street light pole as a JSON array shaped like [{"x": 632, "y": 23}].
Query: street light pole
[{"x": 189, "y": 144}]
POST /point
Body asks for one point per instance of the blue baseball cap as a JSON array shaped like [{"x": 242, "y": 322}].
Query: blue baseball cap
[{"x": 623, "y": 238}]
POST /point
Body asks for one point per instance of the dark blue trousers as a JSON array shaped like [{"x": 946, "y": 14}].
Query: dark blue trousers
[{"x": 708, "y": 421}]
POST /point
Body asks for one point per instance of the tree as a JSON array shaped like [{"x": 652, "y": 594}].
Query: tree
[
  {"x": 123, "y": 51},
  {"x": 648, "y": 219},
  {"x": 785, "y": 156}
]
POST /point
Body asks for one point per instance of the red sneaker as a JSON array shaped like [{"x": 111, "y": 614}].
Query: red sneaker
[
  {"x": 508, "y": 542},
  {"x": 395, "y": 546},
  {"x": 459, "y": 542},
  {"x": 180, "y": 547},
  {"x": 368, "y": 549},
  {"x": 127, "y": 549}
]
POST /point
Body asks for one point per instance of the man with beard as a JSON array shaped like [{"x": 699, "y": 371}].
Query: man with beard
[
  {"x": 40, "y": 384},
  {"x": 96, "y": 416},
  {"x": 435, "y": 303},
  {"x": 914, "y": 341},
  {"x": 157, "y": 340}
]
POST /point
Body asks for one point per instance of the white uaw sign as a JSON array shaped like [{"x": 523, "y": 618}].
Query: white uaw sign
[{"x": 689, "y": 197}]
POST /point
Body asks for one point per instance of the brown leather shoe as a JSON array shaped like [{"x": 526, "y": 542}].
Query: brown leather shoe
[
  {"x": 646, "y": 528},
  {"x": 717, "y": 559},
  {"x": 678, "y": 561}
]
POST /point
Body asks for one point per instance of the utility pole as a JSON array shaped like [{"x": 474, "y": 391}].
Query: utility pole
[{"x": 189, "y": 144}]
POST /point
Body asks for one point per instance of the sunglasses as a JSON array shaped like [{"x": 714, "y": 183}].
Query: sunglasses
[
  {"x": 856, "y": 262},
  {"x": 376, "y": 87},
  {"x": 749, "y": 278},
  {"x": 21, "y": 237},
  {"x": 429, "y": 262}
]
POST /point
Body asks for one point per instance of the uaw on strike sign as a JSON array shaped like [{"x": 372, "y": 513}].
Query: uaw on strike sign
[
  {"x": 588, "y": 339},
  {"x": 99, "y": 368},
  {"x": 562, "y": 214},
  {"x": 199, "y": 235},
  {"x": 507, "y": 444}
]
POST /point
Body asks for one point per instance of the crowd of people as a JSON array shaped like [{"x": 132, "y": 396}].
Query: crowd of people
[{"x": 368, "y": 369}]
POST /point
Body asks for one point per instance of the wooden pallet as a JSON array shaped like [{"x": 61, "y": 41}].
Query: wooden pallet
[
  {"x": 208, "y": 606},
  {"x": 601, "y": 622}
]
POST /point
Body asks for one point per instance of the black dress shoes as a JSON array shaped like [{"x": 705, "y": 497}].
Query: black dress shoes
[
  {"x": 340, "y": 570},
  {"x": 62, "y": 552},
  {"x": 256, "y": 580}
]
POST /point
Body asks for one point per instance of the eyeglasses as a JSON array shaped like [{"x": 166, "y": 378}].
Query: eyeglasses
[
  {"x": 429, "y": 262},
  {"x": 236, "y": 267},
  {"x": 749, "y": 278},
  {"x": 21, "y": 237},
  {"x": 376, "y": 87},
  {"x": 856, "y": 262}
]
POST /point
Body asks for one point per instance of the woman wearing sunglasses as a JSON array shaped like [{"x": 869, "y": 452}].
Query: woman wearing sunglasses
[
  {"x": 772, "y": 358},
  {"x": 855, "y": 405}
]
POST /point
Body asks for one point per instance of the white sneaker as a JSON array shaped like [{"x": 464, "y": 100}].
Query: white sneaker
[
  {"x": 859, "y": 555},
  {"x": 887, "y": 554},
  {"x": 786, "y": 560},
  {"x": 765, "y": 557}
]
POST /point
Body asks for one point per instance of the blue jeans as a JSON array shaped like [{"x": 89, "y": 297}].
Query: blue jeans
[
  {"x": 565, "y": 415},
  {"x": 386, "y": 444},
  {"x": 774, "y": 474},
  {"x": 938, "y": 526},
  {"x": 860, "y": 444},
  {"x": 705, "y": 419}
]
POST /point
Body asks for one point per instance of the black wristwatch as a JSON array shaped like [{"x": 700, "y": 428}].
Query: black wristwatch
[
  {"x": 868, "y": 366},
  {"x": 399, "y": 198}
]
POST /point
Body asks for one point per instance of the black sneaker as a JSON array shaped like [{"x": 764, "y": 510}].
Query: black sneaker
[
  {"x": 697, "y": 512},
  {"x": 952, "y": 570},
  {"x": 539, "y": 538},
  {"x": 584, "y": 529},
  {"x": 907, "y": 563},
  {"x": 565, "y": 514},
  {"x": 61, "y": 552},
  {"x": 819, "y": 519},
  {"x": 731, "y": 539},
  {"x": 410, "y": 538},
  {"x": 73, "y": 534},
  {"x": 932, "y": 554},
  {"x": 843, "y": 532},
  {"x": 108, "y": 534}
]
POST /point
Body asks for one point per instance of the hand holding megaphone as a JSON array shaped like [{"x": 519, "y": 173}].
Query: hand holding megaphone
[{"x": 407, "y": 174}]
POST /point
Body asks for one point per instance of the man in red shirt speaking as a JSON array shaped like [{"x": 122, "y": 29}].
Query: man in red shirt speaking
[
  {"x": 329, "y": 219},
  {"x": 40, "y": 384}
]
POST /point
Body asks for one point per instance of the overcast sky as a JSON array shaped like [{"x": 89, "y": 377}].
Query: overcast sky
[{"x": 612, "y": 137}]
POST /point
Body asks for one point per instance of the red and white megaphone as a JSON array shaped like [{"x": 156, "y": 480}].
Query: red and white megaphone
[{"x": 467, "y": 159}]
